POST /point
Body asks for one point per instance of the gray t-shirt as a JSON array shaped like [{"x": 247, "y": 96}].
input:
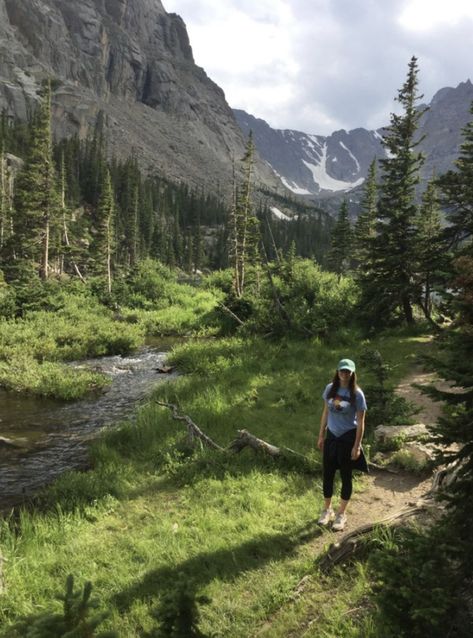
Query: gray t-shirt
[{"x": 341, "y": 413}]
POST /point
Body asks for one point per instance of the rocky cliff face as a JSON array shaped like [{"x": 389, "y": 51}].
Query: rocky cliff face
[
  {"x": 327, "y": 168},
  {"x": 130, "y": 62}
]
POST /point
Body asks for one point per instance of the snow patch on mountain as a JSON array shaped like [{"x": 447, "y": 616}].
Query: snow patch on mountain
[
  {"x": 292, "y": 186},
  {"x": 324, "y": 180},
  {"x": 277, "y": 213},
  {"x": 357, "y": 163}
]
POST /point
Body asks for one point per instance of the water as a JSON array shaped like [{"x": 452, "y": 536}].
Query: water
[{"x": 51, "y": 437}]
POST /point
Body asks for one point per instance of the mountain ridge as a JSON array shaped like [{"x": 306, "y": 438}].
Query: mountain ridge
[
  {"x": 129, "y": 65},
  {"x": 334, "y": 166}
]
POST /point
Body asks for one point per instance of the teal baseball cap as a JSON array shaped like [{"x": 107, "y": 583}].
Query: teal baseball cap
[{"x": 346, "y": 364}]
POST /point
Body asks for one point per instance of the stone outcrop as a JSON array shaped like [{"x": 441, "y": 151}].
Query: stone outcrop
[{"x": 129, "y": 64}]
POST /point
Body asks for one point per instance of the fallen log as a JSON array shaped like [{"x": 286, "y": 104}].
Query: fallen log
[{"x": 245, "y": 439}]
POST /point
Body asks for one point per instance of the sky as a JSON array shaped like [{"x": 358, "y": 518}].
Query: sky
[{"x": 321, "y": 65}]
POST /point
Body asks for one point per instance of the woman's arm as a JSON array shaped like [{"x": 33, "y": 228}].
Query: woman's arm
[
  {"x": 323, "y": 427},
  {"x": 360, "y": 428}
]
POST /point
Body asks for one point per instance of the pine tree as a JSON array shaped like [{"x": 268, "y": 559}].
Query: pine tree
[
  {"x": 392, "y": 285},
  {"x": 430, "y": 248},
  {"x": 3, "y": 197},
  {"x": 454, "y": 430},
  {"x": 103, "y": 245},
  {"x": 365, "y": 226},
  {"x": 340, "y": 254},
  {"x": 457, "y": 194},
  {"x": 79, "y": 618},
  {"x": 36, "y": 199}
]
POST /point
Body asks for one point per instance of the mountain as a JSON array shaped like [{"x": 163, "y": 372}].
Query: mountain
[
  {"x": 129, "y": 65},
  {"x": 326, "y": 168}
]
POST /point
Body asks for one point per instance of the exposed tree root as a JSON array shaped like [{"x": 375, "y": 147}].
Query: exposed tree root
[{"x": 353, "y": 542}]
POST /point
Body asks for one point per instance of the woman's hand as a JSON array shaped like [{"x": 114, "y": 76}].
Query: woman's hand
[
  {"x": 320, "y": 443},
  {"x": 355, "y": 453}
]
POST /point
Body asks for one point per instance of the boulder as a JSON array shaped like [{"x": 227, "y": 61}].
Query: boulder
[{"x": 387, "y": 433}]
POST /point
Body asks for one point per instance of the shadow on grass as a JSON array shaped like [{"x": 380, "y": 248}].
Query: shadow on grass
[
  {"x": 218, "y": 466},
  {"x": 224, "y": 565}
]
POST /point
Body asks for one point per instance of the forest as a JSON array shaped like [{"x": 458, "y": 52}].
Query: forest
[{"x": 164, "y": 535}]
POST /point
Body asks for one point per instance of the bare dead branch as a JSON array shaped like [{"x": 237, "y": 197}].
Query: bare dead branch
[
  {"x": 231, "y": 313},
  {"x": 193, "y": 430}
]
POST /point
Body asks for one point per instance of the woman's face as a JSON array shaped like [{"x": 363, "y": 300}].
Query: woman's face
[{"x": 344, "y": 376}]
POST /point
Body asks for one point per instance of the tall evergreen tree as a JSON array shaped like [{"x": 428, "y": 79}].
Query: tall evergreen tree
[
  {"x": 341, "y": 249},
  {"x": 392, "y": 285},
  {"x": 103, "y": 245},
  {"x": 36, "y": 197},
  {"x": 365, "y": 226},
  {"x": 430, "y": 247},
  {"x": 457, "y": 193}
]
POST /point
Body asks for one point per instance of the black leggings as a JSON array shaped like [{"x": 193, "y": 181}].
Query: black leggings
[{"x": 337, "y": 456}]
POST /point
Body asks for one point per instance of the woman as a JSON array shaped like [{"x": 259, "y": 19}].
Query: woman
[{"x": 341, "y": 431}]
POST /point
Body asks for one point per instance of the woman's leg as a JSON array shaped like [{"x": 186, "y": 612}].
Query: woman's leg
[
  {"x": 329, "y": 470},
  {"x": 346, "y": 474}
]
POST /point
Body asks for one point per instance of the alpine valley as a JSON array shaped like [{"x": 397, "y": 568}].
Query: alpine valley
[{"x": 129, "y": 65}]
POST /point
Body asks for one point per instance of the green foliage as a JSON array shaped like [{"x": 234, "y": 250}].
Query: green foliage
[
  {"x": 296, "y": 298},
  {"x": 365, "y": 226},
  {"x": 178, "y": 614},
  {"x": 23, "y": 373},
  {"x": 78, "y": 619},
  {"x": 414, "y": 585},
  {"x": 340, "y": 255},
  {"x": 431, "y": 252},
  {"x": 407, "y": 460},
  {"x": 457, "y": 194},
  {"x": 239, "y": 528},
  {"x": 389, "y": 285},
  {"x": 385, "y": 407}
]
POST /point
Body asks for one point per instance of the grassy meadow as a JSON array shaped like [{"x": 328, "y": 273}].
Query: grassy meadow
[
  {"x": 68, "y": 321},
  {"x": 156, "y": 526}
]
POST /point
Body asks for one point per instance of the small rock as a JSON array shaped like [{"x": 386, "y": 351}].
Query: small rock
[{"x": 164, "y": 369}]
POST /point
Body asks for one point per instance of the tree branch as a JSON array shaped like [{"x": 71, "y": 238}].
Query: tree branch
[{"x": 193, "y": 430}]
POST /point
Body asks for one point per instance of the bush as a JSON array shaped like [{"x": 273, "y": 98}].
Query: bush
[
  {"x": 302, "y": 300},
  {"x": 415, "y": 584}
]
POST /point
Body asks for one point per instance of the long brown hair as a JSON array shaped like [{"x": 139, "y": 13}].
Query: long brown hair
[{"x": 352, "y": 386}]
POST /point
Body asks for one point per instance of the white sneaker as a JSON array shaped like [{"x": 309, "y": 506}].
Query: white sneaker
[
  {"x": 339, "y": 523},
  {"x": 326, "y": 516}
]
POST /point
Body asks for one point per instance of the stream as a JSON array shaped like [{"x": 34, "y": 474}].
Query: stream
[{"x": 51, "y": 436}]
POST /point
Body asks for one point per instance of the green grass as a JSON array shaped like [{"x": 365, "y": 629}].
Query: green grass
[
  {"x": 238, "y": 529},
  {"x": 78, "y": 326}
]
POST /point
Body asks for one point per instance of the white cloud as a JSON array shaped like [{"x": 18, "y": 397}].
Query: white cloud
[
  {"x": 424, "y": 15},
  {"x": 327, "y": 64}
]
